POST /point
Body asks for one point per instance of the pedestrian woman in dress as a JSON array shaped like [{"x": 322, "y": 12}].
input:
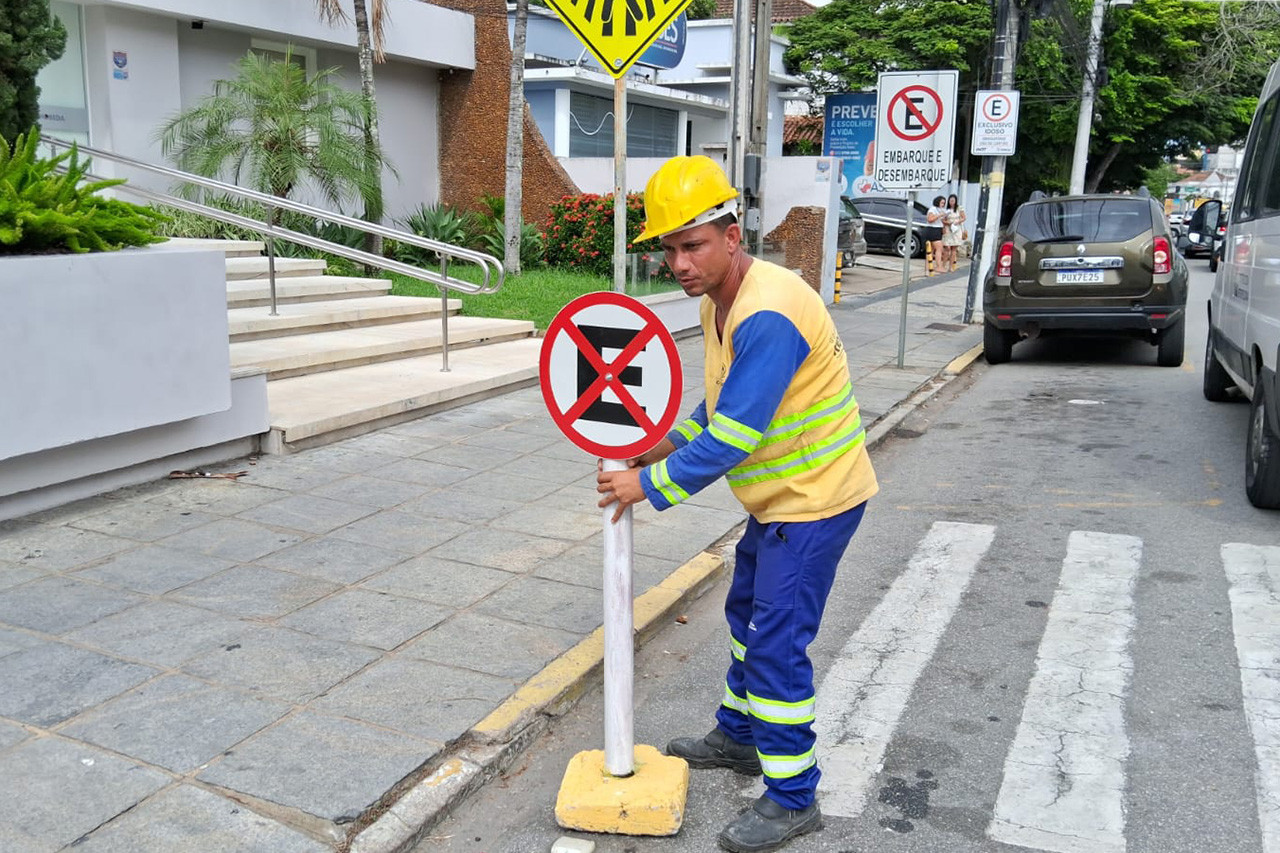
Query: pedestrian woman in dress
[
  {"x": 935, "y": 220},
  {"x": 952, "y": 232}
]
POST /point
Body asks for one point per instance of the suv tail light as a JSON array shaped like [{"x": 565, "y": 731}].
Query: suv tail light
[
  {"x": 1004, "y": 263},
  {"x": 1161, "y": 259}
]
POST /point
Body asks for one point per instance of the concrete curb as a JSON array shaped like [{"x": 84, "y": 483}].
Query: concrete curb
[{"x": 497, "y": 740}]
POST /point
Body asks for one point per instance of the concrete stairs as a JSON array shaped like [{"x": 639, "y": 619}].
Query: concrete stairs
[{"x": 343, "y": 356}]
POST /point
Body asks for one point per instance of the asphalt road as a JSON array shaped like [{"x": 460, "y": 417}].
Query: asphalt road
[{"x": 1032, "y": 642}]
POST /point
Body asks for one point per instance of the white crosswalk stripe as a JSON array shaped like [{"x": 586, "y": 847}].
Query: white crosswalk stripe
[
  {"x": 865, "y": 692},
  {"x": 1253, "y": 573},
  {"x": 1064, "y": 776}
]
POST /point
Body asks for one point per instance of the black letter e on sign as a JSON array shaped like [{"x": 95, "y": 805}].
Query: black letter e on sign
[{"x": 601, "y": 338}]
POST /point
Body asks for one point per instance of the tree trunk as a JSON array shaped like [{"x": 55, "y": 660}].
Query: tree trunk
[
  {"x": 1092, "y": 182},
  {"x": 373, "y": 207},
  {"x": 513, "y": 216}
]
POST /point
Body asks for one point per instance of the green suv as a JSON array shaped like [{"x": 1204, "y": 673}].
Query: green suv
[{"x": 1086, "y": 264}]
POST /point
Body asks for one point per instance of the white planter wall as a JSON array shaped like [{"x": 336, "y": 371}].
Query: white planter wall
[{"x": 106, "y": 343}]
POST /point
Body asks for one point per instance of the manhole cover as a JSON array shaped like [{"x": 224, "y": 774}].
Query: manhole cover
[{"x": 946, "y": 327}]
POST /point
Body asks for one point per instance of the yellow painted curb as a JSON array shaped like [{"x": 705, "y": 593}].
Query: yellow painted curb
[
  {"x": 563, "y": 680},
  {"x": 962, "y": 362}
]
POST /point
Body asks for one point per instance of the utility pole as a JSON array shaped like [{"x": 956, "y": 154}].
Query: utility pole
[
  {"x": 991, "y": 199},
  {"x": 1085, "y": 121},
  {"x": 740, "y": 91},
  {"x": 759, "y": 122}
]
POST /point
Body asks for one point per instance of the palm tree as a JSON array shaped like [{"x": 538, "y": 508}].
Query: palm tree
[
  {"x": 370, "y": 20},
  {"x": 273, "y": 128},
  {"x": 514, "y": 216}
]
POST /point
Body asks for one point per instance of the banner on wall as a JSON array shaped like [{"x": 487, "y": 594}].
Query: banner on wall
[{"x": 849, "y": 132}]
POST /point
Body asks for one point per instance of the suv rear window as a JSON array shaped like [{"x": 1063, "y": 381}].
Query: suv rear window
[{"x": 1089, "y": 220}]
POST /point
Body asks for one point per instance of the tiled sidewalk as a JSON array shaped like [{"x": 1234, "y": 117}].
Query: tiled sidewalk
[{"x": 249, "y": 665}]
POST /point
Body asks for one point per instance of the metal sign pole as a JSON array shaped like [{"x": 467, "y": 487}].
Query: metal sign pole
[
  {"x": 619, "y": 654},
  {"x": 620, "y": 185},
  {"x": 906, "y": 277}
]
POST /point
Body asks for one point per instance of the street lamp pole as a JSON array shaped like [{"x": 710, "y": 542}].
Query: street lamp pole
[{"x": 1085, "y": 121}]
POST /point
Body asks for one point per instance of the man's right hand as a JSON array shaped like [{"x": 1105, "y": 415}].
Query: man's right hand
[{"x": 664, "y": 449}]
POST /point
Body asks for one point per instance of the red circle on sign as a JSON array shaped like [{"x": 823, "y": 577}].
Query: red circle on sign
[
  {"x": 608, "y": 375},
  {"x": 1008, "y": 108},
  {"x": 927, "y": 129}
]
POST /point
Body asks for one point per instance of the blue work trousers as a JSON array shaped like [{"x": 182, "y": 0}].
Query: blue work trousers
[{"x": 781, "y": 580}]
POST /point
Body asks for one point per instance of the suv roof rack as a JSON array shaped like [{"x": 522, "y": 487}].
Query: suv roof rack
[
  {"x": 1143, "y": 192},
  {"x": 1036, "y": 195}
]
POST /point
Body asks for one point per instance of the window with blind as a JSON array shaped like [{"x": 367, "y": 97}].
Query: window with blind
[{"x": 651, "y": 131}]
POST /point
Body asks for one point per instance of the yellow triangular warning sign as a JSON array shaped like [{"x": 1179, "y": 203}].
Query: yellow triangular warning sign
[{"x": 618, "y": 31}]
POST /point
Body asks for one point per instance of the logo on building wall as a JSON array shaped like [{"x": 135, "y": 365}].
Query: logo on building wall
[{"x": 120, "y": 59}]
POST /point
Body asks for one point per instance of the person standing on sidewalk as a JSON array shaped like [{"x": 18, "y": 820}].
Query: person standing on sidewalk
[{"x": 779, "y": 421}]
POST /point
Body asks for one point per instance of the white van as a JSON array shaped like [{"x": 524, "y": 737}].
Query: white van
[{"x": 1244, "y": 310}]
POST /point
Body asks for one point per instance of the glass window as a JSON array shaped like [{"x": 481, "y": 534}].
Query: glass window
[
  {"x": 1087, "y": 220},
  {"x": 651, "y": 131},
  {"x": 1252, "y": 174}
]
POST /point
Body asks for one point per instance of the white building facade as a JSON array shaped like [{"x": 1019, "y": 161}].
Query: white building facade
[{"x": 130, "y": 66}]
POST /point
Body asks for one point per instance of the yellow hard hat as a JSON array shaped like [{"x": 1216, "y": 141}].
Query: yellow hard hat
[{"x": 684, "y": 192}]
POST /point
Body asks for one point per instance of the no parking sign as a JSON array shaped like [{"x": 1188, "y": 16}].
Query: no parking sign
[
  {"x": 915, "y": 128},
  {"x": 610, "y": 375}
]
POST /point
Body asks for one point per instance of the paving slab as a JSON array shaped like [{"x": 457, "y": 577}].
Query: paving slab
[
  {"x": 511, "y": 650},
  {"x": 233, "y": 539},
  {"x": 188, "y": 818},
  {"x": 154, "y": 569},
  {"x": 288, "y": 475},
  {"x": 12, "y": 640},
  {"x": 422, "y": 472},
  {"x": 334, "y": 560},
  {"x": 176, "y": 722},
  {"x": 308, "y": 513},
  {"x": 48, "y": 683},
  {"x": 367, "y": 617},
  {"x": 500, "y": 549},
  {"x": 443, "y": 581},
  {"x": 424, "y": 699},
  {"x": 583, "y": 565},
  {"x": 57, "y": 604},
  {"x": 376, "y": 492},
  {"x": 457, "y": 505},
  {"x": 469, "y": 456},
  {"x": 11, "y": 733},
  {"x": 281, "y": 663},
  {"x": 52, "y": 548},
  {"x": 215, "y": 495},
  {"x": 255, "y": 592},
  {"x": 164, "y": 633},
  {"x": 143, "y": 523},
  {"x": 399, "y": 531},
  {"x": 327, "y": 767},
  {"x": 61, "y": 790},
  {"x": 548, "y": 603},
  {"x": 12, "y": 574}
]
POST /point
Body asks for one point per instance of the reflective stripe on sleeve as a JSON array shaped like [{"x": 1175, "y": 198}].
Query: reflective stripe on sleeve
[
  {"x": 733, "y": 433},
  {"x": 734, "y": 701},
  {"x": 690, "y": 429},
  {"x": 805, "y": 459},
  {"x": 663, "y": 483},
  {"x": 783, "y": 713},
  {"x": 786, "y": 766}
]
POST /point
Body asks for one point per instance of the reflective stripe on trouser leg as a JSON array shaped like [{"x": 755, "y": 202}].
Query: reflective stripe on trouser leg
[
  {"x": 732, "y": 715},
  {"x": 795, "y": 564}
]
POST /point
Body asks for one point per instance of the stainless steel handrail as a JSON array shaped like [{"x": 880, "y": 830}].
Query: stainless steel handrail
[{"x": 488, "y": 263}]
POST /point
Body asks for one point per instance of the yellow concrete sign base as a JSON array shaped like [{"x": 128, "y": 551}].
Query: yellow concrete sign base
[{"x": 648, "y": 802}]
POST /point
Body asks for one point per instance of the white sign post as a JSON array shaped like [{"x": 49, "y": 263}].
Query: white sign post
[
  {"x": 915, "y": 142},
  {"x": 610, "y": 376},
  {"x": 995, "y": 124}
]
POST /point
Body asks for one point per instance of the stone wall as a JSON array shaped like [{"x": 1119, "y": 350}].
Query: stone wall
[
  {"x": 797, "y": 243},
  {"x": 473, "y": 125}
]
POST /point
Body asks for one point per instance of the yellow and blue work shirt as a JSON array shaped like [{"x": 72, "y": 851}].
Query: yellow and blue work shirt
[{"x": 779, "y": 420}]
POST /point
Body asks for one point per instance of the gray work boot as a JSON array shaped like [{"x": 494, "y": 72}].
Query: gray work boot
[
  {"x": 716, "y": 750},
  {"x": 768, "y": 826}
]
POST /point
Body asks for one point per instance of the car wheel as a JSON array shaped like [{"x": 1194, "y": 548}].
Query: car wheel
[
  {"x": 1262, "y": 457},
  {"x": 1217, "y": 384},
  {"x": 900, "y": 245},
  {"x": 997, "y": 344},
  {"x": 1170, "y": 346}
]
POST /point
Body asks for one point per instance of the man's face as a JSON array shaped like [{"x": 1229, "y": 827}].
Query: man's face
[{"x": 701, "y": 257}]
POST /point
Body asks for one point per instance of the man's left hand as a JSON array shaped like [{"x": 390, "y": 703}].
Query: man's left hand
[{"x": 620, "y": 487}]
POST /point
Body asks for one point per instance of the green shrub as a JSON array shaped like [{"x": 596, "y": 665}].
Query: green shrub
[
  {"x": 579, "y": 232},
  {"x": 44, "y": 209},
  {"x": 438, "y": 222}
]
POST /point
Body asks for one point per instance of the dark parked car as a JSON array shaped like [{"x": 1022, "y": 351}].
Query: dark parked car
[
  {"x": 1089, "y": 263},
  {"x": 886, "y": 224},
  {"x": 851, "y": 236}
]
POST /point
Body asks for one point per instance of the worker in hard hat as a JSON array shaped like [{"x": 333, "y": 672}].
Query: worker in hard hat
[{"x": 780, "y": 422}]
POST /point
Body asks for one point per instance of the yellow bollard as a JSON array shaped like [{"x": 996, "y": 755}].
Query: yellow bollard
[
  {"x": 928, "y": 255},
  {"x": 839, "y": 266}
]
